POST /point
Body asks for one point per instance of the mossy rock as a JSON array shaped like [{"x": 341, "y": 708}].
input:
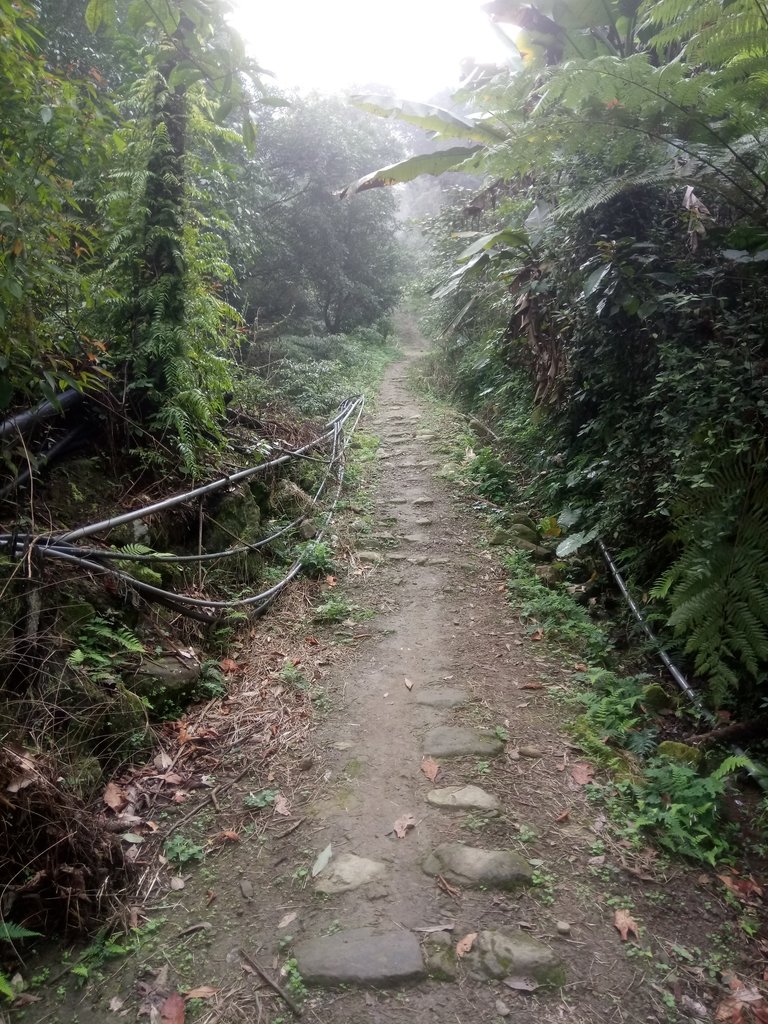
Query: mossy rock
[
  {"x": 520, "y": 519},
  {"x": 174, "y": 678},
  {"x": 657, "y": 698},
  {"x": 680, "y": 752},
  {"x": 550, "y": 575},
  {"x": 235, "y": 519},
  {"x": 538, "y": 551},
  {"x": 525, "y": 533}
]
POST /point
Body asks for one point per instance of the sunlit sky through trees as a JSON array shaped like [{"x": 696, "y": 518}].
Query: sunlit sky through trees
[{"x": 415, "y": 47}]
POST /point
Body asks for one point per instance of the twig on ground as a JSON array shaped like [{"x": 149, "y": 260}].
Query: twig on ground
[{"x": 287, "y": 999}]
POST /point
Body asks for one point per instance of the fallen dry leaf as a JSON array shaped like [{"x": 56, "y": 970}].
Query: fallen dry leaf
[
  {"x": 582, "y": 773},
  {"x": 625, "y": 925},
  {"x": 172, "y": 1010},
  {"x": 532, "y": 686},
  {"x": 538, "y": 635},
  {"x": 331, "y": 581},
  {"x": 114, "y": 797},
  {"x": 288, "y": 919},
  {"x": 228, "y": 665},
  {"x": 403, "y": 825},
  {"x": 430, "y": 768},
  {"x": 281, "y": 806},
  {"x": 521, "y": 984},
  {"x": 580, "y": 667},
  {"x": 116, "y": 1003},
  {"x": 177, "y": 883},
  {"x": 464, "y": 945},
  {"x": 741, "y": 887},
  {"x": 562, "y": 816},
  {"x": 230, "y": 836},
  {"x": 408, "y": 683},
  {"x": 201, "y": 992}
]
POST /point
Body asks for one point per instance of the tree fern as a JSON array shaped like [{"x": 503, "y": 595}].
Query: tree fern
[{"x": 718, "y": 588}]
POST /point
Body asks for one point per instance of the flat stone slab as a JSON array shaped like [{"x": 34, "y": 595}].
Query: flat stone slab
[
  {"x": 511, "y": 954},
  {"x": 348, "y": 872},
  {"x": 442, "y": 697},
  {"x": 463, "y": 798},
  {"x": 421, "y": 502},
  {"x": 471, "y": 867},
  {"x": 458, "y": 740},
  {"x": 360, "y": 957}
]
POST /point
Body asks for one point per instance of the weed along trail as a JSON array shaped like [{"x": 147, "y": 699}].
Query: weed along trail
[{"x": 400, "y": 827}]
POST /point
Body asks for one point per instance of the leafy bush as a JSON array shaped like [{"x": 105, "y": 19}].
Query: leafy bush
[{"x": 682, "y": 809}]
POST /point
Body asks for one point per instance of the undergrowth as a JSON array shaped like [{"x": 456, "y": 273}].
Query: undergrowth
[{"x": 667, "y": 792}]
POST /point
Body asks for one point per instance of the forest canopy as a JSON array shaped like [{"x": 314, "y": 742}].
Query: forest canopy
[{"x": 161, "y": 203}]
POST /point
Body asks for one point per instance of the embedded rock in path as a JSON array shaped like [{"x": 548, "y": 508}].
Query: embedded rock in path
[
  {"x": 440, "y": 956},
  {"x": 348, "y": 872},
  {"x": 442, "y": 697},
  {"x": 372, "y": 557},
  {"x": 415, "y": 538},
  {"x": 360, "y": 957},
  {"x": 463, "y": 798},
  {"x": 423, "y": 522},
  {"x": 458, "y": 740},
  {"x": 505, "y": 953},
  {"x": 474, "y": 868},
  {"x": 423, "y": 501}
]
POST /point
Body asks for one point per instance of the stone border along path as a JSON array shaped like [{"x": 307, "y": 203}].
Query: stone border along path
[{"x": 381, "y": 887}]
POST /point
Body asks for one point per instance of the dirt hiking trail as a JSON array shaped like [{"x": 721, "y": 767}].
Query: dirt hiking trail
[{"x": 455, "y": 811}]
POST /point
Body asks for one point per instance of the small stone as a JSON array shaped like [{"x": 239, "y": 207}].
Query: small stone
[
  {"x": 360, "y": 957},
  {"x": 423, "y": 522},
  {"x": 463, "y": 798},
  {"x": 471, "y": 867},
  {"x": 501, "y": 1008},
  {"x": 458, "y": 740},
  {"x": 415, "y": 538},
  {"x": 348, "y": 872},
  {"x": 418, "y": 502},
  {"x": 438, "y": 561},
  {"x": 563, "y": 928},
  {"x": 530, "y": 752},
  {"x": 442, "y": 697},
  {"x": 499, "y": 954},
  {"x": 372, "y": 557}
]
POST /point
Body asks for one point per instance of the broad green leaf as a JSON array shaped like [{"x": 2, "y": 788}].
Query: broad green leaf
[
  {"x": 432, "y": 119},
  {"x": 594, "y": 279},
  {"x": 249, "y": 134},
  {"x": 95, "y": 14},
  {"x": 413, "y": 167},
  {"x": 507, "y": 236},
  {"x": 46, "y": 114},
  {"x": 574, "y": 542}
]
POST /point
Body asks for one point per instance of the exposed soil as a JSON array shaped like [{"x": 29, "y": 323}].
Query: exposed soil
[{"x": 442, "y": 620}]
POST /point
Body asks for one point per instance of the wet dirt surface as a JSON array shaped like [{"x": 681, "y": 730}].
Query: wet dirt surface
[{"x": 442, "y": 621}]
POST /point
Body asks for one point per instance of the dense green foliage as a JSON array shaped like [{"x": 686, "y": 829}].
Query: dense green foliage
[
  {"x": 162, "y": 208},
  {"x": 608, "y": 314}
]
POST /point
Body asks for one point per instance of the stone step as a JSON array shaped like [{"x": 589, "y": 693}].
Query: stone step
[
  {"x": 463, "y": 798},
  {"x": 361, "y": 957},
  {"x": 474, "y": 868},
  {"x": 348, "y": 872},
  {"x": 441, "y": 696},
  {"x": 510, "y": 953},
  {"x": 458, "y": 740}
]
